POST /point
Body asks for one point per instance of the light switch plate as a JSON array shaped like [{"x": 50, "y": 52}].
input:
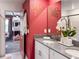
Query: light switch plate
[
  {"x": 45, "y": 30},
  {"x": 49, "y": 30}
]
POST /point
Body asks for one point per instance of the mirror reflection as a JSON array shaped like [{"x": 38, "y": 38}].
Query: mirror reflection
[{"x": 70, "y": 10}]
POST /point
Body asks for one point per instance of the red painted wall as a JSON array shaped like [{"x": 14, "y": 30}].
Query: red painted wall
[
  {"x": 54, "y": 14},
  {"x": 41, "y": 14},
  {"x": 37, "y": 23}
]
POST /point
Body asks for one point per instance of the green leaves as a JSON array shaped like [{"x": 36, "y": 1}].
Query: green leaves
[
  {"x": 72, "y": 33},
  {"x": 69, "y": 33},
  {"x": 64, "y": 33}
]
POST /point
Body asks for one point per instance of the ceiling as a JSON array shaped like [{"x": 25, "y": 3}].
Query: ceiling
[
  {"x": 70, "y": 0},
  {"x": 70, "y": 4},
  {"x": 11, "y": 1}
]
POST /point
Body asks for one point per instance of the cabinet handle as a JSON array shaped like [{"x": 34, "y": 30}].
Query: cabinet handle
[{"x": 40, "y": 53}]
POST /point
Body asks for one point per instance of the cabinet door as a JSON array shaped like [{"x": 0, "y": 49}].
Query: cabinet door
[
  {"x": 52, "y": 54},
  {"x": 55, "y": 55},
  {"x": 41, "y": 51},
  {"x": 37, "y": 55}
]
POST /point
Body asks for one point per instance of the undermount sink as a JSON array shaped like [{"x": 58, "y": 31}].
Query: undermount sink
[
  {"x": 74, "y": 53},
  {"x": 48, "y": 41},
  {"x": 46, "y": 37}
]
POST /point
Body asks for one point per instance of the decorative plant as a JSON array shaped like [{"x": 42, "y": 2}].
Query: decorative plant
[
  {"x": 70, "y": 32},
  {"x": 67, "y": 31}
]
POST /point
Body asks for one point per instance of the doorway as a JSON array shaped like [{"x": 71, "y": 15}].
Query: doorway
[{"x": 12, "y": 31}]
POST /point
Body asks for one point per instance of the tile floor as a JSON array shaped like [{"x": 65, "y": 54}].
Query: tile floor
[
  {"x": 12, "y": 56},
  {"x": 12, "y": 46}
]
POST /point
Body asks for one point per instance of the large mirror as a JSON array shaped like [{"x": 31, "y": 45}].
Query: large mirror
[{"x": 70, "y": 9}]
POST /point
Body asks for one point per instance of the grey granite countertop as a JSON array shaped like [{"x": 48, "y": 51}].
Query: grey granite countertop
[{"x": 57, "y": 47}]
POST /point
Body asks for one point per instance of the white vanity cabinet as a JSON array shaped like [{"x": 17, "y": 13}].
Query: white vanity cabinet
[
  {"x": 55, "y": 55},
  {"x": 41, "y": 51}
]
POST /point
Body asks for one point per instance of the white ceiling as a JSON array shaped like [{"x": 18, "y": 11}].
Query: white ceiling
[
  {"x": 70, "y": 4},
  {"x": 11, "y": 5},
  {"x": 70, "y": 0},
  {"x": 11, "y": 1}
]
